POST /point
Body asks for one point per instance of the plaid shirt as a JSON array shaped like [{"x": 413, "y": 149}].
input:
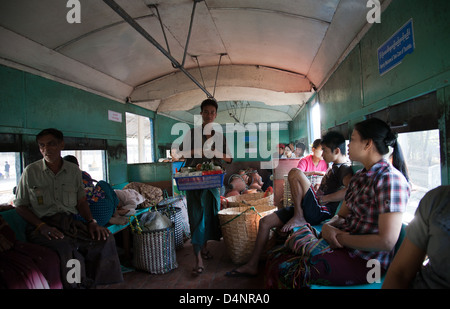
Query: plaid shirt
[{"x": 382, "y": 189}]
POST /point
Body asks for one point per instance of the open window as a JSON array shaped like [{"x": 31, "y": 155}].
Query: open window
[
  {"x": 10, "y": 166},
  {"x": 139, "y": 139},
  {"x": 9, "y": 175},
  {"x": 417, "y": 123},
  {"x": 315, "y": 122},
  {"x": 90, "y": 161},
  {"x": 90, "y": 153}
]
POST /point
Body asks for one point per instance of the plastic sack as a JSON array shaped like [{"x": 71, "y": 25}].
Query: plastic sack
[
  {"x": 130, "y": 199},
  {"x": 152, "y": 221}
]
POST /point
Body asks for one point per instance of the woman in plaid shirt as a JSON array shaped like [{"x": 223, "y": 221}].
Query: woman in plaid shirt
[{"x": 369, "y": 221}]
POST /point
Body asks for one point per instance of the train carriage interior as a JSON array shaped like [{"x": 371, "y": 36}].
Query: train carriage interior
[{"x": 124, "y": 80}]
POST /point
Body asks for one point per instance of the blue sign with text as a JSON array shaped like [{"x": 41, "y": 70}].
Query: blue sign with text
[{"x": 392, "y": 52}]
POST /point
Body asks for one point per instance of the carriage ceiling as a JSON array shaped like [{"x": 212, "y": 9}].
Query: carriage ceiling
[{"x": 273, "y": 54}]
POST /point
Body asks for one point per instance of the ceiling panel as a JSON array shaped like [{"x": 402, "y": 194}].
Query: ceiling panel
[{"x": 301, "y": 41}]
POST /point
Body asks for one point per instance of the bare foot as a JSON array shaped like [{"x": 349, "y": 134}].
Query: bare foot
[{"x": 294, "y": 222}]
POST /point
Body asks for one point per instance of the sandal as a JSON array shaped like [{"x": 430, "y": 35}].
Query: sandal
[
  {"x": 198, "y": 270},
  {"x": 206, "y": 255}
]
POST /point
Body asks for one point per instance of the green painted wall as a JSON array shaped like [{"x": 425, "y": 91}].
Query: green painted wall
[
  {"x": 357, "y": 88},
  {"x": 298, "y": 128},
  {"x": 29, "y": 103}
]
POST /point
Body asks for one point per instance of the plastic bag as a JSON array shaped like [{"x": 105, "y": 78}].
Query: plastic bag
[{"x": 151, "y": 221}]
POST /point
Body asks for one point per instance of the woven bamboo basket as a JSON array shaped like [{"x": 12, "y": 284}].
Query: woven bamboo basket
[
  {"x": 153, "y": 251},
  {"x": 252, "y": 199},
  {"x": 240, "y": 228}
]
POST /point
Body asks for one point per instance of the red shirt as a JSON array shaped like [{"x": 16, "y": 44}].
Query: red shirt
[{"x": 306, "y": 165}]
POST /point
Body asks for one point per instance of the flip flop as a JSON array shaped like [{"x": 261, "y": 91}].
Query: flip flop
[
  {"x": 197, "y": 270},
  {"x": 237, "y": 274}
]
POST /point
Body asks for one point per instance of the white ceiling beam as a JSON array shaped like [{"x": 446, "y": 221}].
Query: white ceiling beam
[{"x": 20, "y": 51}]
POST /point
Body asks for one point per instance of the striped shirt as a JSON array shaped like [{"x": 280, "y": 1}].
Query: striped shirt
[{"x": 382, "y": 189}]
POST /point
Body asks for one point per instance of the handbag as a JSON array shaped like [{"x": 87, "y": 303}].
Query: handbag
[{"x": 102, "y": 208}]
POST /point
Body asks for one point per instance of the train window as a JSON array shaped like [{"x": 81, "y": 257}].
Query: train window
[
  {"x": 422, "y": 154},
  {"x": 315, "y": 122},
  {"x": 90, "y": 161},
  {"x": 8, "y": 175},
  {"x": 139, "y": 139}
]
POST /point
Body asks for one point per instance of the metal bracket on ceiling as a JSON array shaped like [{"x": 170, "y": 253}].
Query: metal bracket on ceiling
[
  {"x": 188, "y": 39},
  {"x": 130, "y": 20},
  {"x": 155, "y": 6}
]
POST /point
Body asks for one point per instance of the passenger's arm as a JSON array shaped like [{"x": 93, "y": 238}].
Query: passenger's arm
[
  {"x": 338, "y": 195},
  {"x": 44, "y": 229},
  {"x": 404, "y": 267},
  {"x": 330, "y": 229},
  {"x": 389, "y": 226},
  {"x": 97, "y": 232}
]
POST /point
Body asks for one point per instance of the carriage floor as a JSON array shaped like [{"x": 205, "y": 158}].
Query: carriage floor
[{"x": 213, "y": 277}]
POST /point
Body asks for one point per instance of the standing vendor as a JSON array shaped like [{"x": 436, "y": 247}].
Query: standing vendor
[{"x": 204, "y": 144}]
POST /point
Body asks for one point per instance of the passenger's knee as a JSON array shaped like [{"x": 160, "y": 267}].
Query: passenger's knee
[
  {"x": 266, "y": 222},
  {"x": 294, "y": 173}
]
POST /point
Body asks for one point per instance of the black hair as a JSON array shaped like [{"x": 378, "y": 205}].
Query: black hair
[
  {"x": 334, "y": 140},
  {"x": 51, "y": 131},
  {"x": 71, "y": 158},
  {"x": 209, "y": 102},
  {"x": 300, "y": 145},
  {"x": 382, "y": 136},
  {"x": 316, "y": 143}
]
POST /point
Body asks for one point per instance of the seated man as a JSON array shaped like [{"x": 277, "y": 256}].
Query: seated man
[
  {"x": 427, "y": 236},
  {"x": 49, "y": 195},
  {"x": 308, "y": 206}
]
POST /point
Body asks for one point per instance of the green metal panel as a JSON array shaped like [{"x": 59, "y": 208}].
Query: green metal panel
[
  {"x": 69, "y": 109},
  {"x": 150, "y": 172},
  {"x": 117, "y": 162},
  {"x": 12, "y": 109},
  {"x": 430, "y": 57},
  {"x": 298, "y": 128},
  {"x": 341, "y": 95}
]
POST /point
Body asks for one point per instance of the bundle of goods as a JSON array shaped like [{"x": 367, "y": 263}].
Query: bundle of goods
[
  {"x": 252, "y": 199},
  {"x": 153, "y": 195},
  {"x": 239, "y": 229},
  {"x": 246, "y": 181},
  {"x": 204, "y": 176}
]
